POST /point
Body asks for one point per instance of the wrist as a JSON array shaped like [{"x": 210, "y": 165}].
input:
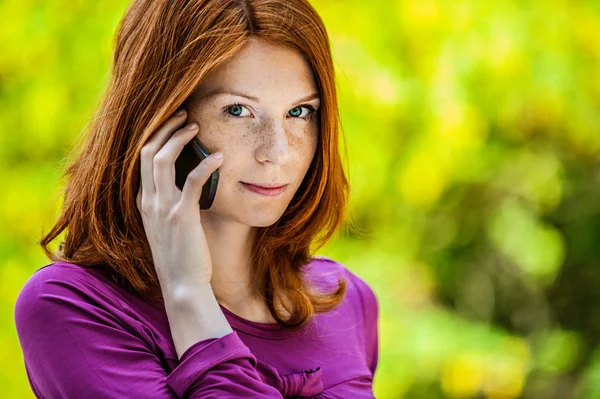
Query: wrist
[{"x": 185, "y": 292}]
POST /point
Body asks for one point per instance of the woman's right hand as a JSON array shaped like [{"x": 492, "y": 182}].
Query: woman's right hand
[{"x": 171, "y": 217}]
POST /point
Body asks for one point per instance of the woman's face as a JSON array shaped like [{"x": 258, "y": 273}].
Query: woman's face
[{"x": 258, "y": 109}]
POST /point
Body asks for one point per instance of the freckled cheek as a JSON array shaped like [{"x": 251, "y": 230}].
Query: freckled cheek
[
  {"x": 305, "y": 143},
  {"x": 222, "y": 136},
  {"x": 234, "y": 142},
  {"x": 237, "y": 140}
]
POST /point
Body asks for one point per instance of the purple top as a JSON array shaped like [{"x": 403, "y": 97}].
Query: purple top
[{"x": 84, "y": 336}]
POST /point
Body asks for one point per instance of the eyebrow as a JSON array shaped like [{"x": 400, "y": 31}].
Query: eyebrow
[{"x": 220, "y": 91}]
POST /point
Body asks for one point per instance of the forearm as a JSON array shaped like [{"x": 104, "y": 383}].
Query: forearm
[{"x": 194, "y": 315}]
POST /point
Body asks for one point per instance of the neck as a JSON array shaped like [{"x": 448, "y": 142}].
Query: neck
[{"x": 230, "y": 245}]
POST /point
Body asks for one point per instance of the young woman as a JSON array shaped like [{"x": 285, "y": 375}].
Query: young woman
[{"x": 152, "y": 296}]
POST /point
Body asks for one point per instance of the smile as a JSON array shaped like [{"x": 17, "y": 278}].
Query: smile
[{"x": 269, "y": 192}]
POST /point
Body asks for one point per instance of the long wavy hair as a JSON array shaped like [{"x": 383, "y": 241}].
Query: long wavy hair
[{"x": 164, "y": 49}]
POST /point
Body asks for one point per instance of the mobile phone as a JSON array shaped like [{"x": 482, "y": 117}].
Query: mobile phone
[{"x": 191, "y": 156}]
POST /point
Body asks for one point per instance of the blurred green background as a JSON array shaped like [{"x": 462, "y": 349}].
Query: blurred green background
[{"x": 473, "y": 129}]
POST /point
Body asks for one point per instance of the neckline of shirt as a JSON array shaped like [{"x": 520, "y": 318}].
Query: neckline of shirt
[{"x": 262, "y": 330}]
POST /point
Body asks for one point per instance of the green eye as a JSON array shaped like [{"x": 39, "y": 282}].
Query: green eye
[
  {"x": 296, "y": 112},
  {"x": 236, "y": 110}
]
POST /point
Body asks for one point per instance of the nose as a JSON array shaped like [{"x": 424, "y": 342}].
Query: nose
[{"x": 274, "y": 144}]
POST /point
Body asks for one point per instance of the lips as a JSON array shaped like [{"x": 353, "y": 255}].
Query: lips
[
  {"x": 269, "y": 190},
  {"x": 266, "y": 185}
]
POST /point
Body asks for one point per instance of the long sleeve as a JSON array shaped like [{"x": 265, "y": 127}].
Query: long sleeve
[
  {"x": 370, "y": 310},
  {"x": 372, "y": 307},
  {"x": 76, "y": 347},
  {"x": 219, "y": 368}
]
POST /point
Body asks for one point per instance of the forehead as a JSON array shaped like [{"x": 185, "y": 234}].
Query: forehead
[{"x": 263, "y": 70}]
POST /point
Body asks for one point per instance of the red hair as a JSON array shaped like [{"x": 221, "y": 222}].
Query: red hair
[{"x": 164, "y": 49}]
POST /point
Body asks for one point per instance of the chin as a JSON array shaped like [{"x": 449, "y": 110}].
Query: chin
[
  {"x": 254, "y": 216},
  {"x": 260, "y": 220},
  {"x": 264, "y": 224},
  {"x": 249, "y": 209}
]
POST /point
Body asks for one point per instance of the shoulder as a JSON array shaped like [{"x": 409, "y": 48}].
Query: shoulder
[
  {"x": 360, "y": 297},
  {"x": 63, "y": 275},
  {"x": 62, "y": 286},
  {"x": 60, "y": 271},
  {"x": 326, "y": 272}
]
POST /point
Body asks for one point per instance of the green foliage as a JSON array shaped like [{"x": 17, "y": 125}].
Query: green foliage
[{"x": 473, "y": 129}]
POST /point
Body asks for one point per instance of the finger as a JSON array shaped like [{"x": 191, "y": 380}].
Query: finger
[
  {"x": 164, "y": 161},
  {"x": 192, "y": 189},
  {"x": 151, "y": 148}
]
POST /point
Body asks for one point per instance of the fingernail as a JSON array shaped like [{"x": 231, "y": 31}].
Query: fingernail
[
  {"x": 217, "y": 155},
  {"x": 192, "y": 126},
  {"x": 179, "y": 112}
]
